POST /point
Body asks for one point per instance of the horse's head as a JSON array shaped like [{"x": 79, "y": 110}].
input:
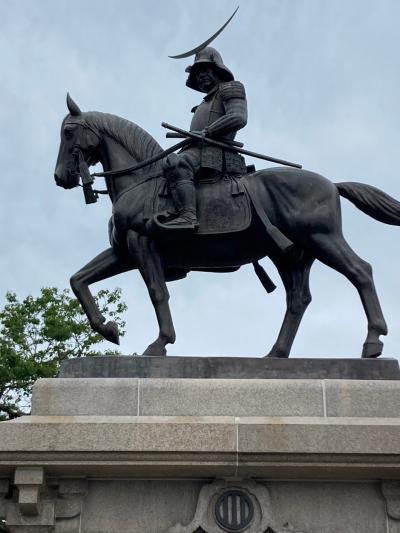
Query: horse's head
[{"x": 78, "y": 139}]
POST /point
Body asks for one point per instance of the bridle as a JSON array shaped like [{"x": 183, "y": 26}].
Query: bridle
[
  {"x": 91, "y": 195},
  {"x": 81, "y": 166}
]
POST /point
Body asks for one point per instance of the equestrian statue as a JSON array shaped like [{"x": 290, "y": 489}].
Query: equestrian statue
[{"x": 197, "y": 207}]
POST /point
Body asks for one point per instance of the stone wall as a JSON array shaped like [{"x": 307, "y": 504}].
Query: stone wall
[
  {"x": 204, "y": 456},
  {"x": 188, "y": 506}
]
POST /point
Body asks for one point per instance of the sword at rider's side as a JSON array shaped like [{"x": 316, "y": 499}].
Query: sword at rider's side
[{"x": 230, "y": 147}]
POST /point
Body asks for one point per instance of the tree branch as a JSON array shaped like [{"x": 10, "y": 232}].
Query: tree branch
[{"x": 12, "y": 412}]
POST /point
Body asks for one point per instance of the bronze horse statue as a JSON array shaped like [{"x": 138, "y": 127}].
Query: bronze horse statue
[{"x": 303, "y": 205}]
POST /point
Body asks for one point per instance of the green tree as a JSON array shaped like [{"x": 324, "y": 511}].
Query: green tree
[{"x": 37, "y": 334}]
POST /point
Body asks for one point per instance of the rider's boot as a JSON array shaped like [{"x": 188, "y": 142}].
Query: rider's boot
[{"x": 184, "y": 196}]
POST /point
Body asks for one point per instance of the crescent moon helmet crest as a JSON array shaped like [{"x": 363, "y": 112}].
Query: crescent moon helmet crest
[{"x": 207, "y": 42}]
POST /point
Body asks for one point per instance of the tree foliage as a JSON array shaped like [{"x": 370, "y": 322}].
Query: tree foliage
[{"x": 37, "y": 334}]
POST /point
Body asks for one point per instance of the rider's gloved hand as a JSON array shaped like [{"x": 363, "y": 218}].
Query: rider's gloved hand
[{"x": 203, "y": 133}]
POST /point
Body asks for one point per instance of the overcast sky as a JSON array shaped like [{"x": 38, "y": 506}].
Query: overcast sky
[{"x": 322, "y": 79}]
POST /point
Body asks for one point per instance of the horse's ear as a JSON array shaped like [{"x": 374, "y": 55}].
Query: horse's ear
[{"x": 73, "y": 107}]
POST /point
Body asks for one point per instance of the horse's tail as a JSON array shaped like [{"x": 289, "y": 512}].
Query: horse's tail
[{"x": 372, "y": 201}]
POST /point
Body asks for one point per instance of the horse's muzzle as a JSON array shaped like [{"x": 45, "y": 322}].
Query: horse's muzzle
[
  {"x": 69, "y": 181},
  {"x": 57, "y": 180}
]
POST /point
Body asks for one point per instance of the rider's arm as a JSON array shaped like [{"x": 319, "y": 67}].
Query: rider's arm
[{"x": 234, "y": 101}]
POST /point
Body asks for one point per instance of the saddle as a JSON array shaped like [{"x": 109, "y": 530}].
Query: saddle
[{"x": 223, "y": 204}]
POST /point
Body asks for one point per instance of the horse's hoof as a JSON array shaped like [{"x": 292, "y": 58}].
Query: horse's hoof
[
  {"x": 110, "y": 332},
  {"x": 155, "y": 349},
  {"x": 372, "y": 349}
]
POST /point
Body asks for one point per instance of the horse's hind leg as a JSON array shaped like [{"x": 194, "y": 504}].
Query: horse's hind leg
[
  {"x": 142, "y": 249},
  {"x": 296, "y": 281},
  {"x": 103, "y": 266},
  {"x": 333, "y": 250}
]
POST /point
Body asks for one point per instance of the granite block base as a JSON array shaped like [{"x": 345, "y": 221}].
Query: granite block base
[{"x": 204, "y": 455}]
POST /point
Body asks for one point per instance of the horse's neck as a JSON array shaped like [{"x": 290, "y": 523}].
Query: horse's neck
[{"x": 115, "y": 157}]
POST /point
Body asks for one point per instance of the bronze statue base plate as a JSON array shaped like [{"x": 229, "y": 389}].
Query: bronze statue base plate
[{"x": 230, "y": 368}]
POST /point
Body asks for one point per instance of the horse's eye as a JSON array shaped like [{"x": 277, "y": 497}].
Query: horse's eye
[{"x": 68, "y": 132}]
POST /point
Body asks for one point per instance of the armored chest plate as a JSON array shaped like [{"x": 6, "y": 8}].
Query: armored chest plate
[{"x": 207, "y": 112}]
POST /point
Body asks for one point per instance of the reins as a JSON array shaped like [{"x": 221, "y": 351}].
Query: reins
[
  {"x": 134, "y": 185},
  {"x": 88, "y": 179},
  {"x": 91, "y": 194},
  {"x": 142, "y": 164}
]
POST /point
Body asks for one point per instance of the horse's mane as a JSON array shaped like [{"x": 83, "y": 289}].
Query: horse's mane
[{"x": 140, "y": 144}]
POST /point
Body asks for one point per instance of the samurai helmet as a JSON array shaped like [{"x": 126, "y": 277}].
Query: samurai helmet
[{"x": 207, "y": 56}]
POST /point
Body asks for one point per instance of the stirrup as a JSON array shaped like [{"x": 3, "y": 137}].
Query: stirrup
[{"x": 164, "y": 222}]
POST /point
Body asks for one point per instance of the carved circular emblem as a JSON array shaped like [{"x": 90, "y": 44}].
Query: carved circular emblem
[{"x": 234, "y": 510}]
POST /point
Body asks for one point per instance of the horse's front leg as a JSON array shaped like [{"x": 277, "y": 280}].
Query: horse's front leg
[
  {"x": 103, "y": 266},
  {"x": 144, "y": 253}
]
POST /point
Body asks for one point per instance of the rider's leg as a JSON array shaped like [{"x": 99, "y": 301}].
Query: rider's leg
[{"x": 179, "y": 171}]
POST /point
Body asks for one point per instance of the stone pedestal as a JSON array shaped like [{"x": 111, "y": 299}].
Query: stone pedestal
[{"x": 191, "y": 455}]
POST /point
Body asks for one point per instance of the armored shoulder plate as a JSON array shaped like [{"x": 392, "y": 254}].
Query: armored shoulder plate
[{"x": 232, "y": 89}]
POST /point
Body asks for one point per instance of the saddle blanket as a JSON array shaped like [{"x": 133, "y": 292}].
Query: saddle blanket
[{"x": 223, "y": 204}]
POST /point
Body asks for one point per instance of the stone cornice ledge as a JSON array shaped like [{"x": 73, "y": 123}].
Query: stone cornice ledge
[{"x": 181, "y": 447}]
